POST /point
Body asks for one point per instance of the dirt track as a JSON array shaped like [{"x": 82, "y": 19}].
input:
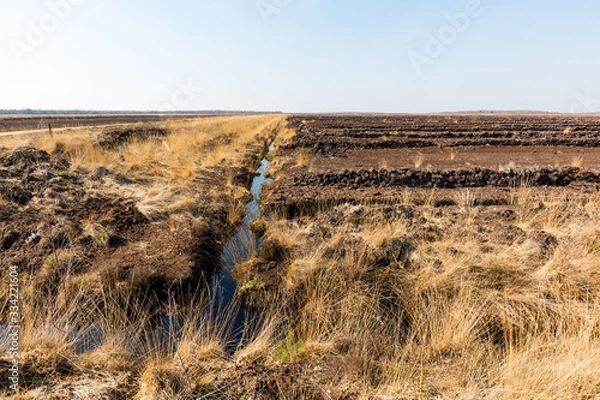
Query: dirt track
[{"x": 16, "y": 123}]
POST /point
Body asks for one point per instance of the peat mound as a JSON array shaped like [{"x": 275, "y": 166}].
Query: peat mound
[
  {"x": 24, "y": 157},
  {"x": 118, "y": 137},
  {"x": 449, "y": 178}
]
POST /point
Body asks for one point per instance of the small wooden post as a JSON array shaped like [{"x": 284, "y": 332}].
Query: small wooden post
[{"x": 50, "y": 131}]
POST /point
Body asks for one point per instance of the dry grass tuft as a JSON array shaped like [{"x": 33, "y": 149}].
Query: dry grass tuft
[
  {"x": 419, "y": 161},
  {"x": 303, "y": 158},
  {"x": 577, "y": 162}
]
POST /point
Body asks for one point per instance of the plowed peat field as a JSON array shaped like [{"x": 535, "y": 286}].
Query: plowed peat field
[{"x": 335, "y": 158}]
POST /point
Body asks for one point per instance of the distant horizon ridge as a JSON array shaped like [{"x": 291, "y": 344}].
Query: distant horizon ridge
[{"x": 30, "y": 111}]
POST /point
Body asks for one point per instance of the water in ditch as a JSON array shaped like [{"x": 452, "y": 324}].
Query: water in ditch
[{"x": 241, "y": 247}]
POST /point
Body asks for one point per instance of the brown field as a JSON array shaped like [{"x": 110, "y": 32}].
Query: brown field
[
  {"x": 369, "y": 157},
  {"x": 401, "y": 257}
]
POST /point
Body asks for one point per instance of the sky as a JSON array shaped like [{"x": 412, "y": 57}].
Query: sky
[{"x": 393, "y": 56}]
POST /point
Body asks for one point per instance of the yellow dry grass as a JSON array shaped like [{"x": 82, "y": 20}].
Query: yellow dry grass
[
  {"x": 419, "y": 161},
  {"x": 303, "y": 158},
  {"x": 464, "y": 315},
  {"x": 577, "y": 161},
  {"x": 163, "y": 172},
  {"x": 193, "y": 143}
]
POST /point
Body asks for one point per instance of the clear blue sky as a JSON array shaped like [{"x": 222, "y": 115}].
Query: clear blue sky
[{"x": 301, "y": 55}]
